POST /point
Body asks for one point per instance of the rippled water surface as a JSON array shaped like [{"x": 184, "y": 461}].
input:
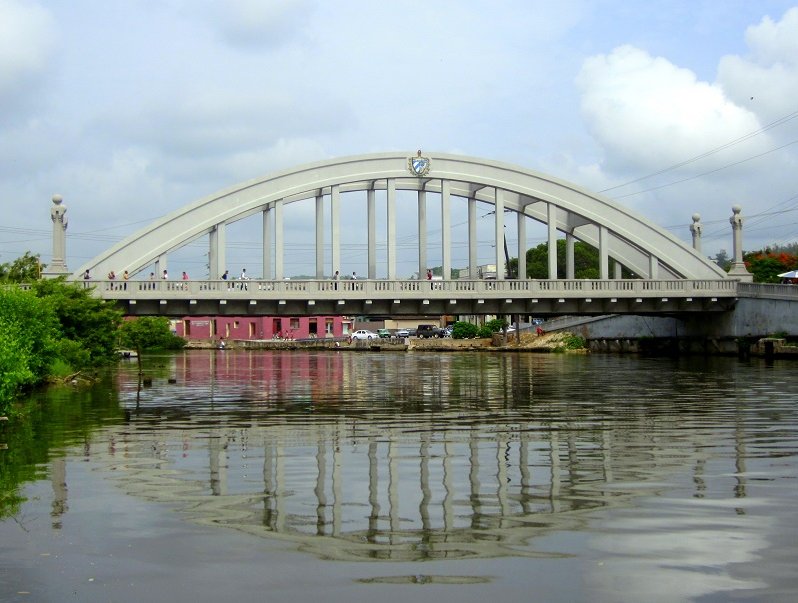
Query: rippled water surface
[{"x": 259, "y": 476}]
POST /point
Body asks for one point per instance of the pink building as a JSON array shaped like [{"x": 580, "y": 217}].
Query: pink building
[{"x": 262, "y": 327}]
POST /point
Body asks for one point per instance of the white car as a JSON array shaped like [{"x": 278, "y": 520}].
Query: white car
[{"x": 363, "y": 334}]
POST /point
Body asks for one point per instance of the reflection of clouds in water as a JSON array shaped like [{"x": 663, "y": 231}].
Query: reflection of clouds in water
[{"x": 674, "y": 556}]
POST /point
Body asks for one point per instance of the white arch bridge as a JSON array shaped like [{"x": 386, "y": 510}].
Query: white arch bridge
[{"x": 674, "y": 278}]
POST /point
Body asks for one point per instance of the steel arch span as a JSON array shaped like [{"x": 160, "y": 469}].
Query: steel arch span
[{"x": 619, "y": 233}]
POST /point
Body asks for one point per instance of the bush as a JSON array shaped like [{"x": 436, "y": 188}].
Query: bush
[
  {"x": 484, "y": 331},
  {"x": 73, "y": 355},
  {"x": 464, "y": 330},
  {"x": 28, "y": 337},
  {"x": 496, "y": 325},
  {"x": 84, "y": 319},
  {"x": 570, "y": 342}
]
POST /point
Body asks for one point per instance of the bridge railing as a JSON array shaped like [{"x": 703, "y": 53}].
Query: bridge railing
[
  {"x": 298, "y": 289},
  {"x": 767, "y": 290}
]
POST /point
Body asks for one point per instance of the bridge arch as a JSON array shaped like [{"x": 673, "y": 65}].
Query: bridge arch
[{"x": 618, "y": 233}]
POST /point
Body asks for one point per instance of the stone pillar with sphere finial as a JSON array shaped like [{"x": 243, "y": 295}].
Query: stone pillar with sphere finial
[
  {"x": 57, "y": 265},
  {"x": 696, "y": 229},
  {"x": 738, "y": 269}
]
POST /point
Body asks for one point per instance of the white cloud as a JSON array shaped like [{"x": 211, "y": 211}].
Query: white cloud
[
  {"x": 648, "y": 113},
  {"x": 766, "y": 80}
]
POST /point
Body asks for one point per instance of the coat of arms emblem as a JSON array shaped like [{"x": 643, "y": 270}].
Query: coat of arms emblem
[{"x": 418, "y": 165}]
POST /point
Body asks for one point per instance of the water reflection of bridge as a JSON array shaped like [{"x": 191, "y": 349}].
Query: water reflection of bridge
[{"x": 390, "y": 477}]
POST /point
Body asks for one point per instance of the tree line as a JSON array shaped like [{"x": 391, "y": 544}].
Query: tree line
[{"x": 52, "y": 329}]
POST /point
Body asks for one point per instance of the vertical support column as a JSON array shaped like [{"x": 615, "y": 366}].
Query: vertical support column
[
  {"x": 473, "y": 259},
  {"x": 422, "y": 234},
  {"x": 390, "y": 189},
  {"x": 371, "y": 212},
  {"x": 696, "y": 229},
  {"x": 268, "y": 229},
  {"x": 58, "y": 216},
  {"x": 653, "y": 267},
  {"x": 446, "y": 229},
  {"x": 570, "y": 261},
  {"x": 604, "y": 254},
  {"x": 335, "y": 225},
  {"x": 498, "y": 234},
  {"x": 279, "y": 273},
  {"x": 521, "y": 228},
  {"x": 738, "y": 268},
  {"x": 551, "y": 222},
  {"x": 320, "y": 235},
  {"x": 617, "y": 270},
  {"x": 216, "y": 251}
]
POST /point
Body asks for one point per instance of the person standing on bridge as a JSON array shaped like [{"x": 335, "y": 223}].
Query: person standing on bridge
[
  {"x": 165, "y": 275},
  {"x": 243, "y": 278}
]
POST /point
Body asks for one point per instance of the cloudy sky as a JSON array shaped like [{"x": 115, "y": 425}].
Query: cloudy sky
[{"x": 131, "y": 109}]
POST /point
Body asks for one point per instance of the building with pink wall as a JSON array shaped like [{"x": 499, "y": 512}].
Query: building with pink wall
[{"x": 262, "y": 327}]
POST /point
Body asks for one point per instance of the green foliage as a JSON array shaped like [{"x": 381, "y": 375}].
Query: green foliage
[
  {"x": 25, "y": 269},
  {"x": 484, "y": 331},
  {"x": 86, "y": 320},
  {"x": 570, "y": 342},
  {"x": 496, "y": 325},
  {"x": 766, "y": 265},
  {"x": 53, "y": 328},
  {"x": 586, "y": 261},
  {"x": 28, "y": 336},
  {"x": 73, "y": 355},
  {"x": 148, "y": 333},
  {"x": 464, "y": 330},
  {"x": 723, "y": 260}
]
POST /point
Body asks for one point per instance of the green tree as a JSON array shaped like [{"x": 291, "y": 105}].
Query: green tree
[
  {"x": 89, "y": 321},
  {"x": 586, "y": 261},
  {"x": 464, "y": 330},
  {"x": 766, "y": 265},
  {"x": 148, "y": 333},
  {"x": 28, "y": 336},
  {"x": 723, "y": 260},
  {"x": 24, "y": 269}
]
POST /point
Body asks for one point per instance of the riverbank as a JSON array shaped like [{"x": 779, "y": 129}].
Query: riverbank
[{"x": 548, "y": 342}]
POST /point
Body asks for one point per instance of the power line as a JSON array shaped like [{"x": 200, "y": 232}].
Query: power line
[
  {"x": 709, "y": 153},
  {"x": 654, "y": 188}
]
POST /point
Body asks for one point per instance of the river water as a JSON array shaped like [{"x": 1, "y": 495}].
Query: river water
[{"x": 357, "y": 476}]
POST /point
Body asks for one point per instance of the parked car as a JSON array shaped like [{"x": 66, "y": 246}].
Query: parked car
[
  {"x": 424, "y": 331},
  {"x": 363, "y": 334},
  {"x": 384, "y": 333},
  {"x": 403, "y": 333}
]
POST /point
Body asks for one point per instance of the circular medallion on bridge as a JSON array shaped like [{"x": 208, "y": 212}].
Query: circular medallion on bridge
[{"x": 418, "y": 165}]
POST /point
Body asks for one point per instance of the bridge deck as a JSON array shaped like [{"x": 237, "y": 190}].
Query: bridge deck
[{"x": 418, "y": 297}]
